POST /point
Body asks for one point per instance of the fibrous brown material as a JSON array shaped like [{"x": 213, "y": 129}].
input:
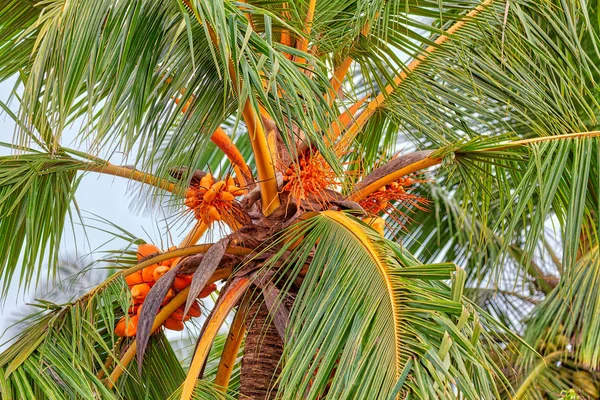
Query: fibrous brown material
[{"x": 262, "y": 352}]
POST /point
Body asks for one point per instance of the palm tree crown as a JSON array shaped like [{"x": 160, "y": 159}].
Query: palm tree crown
[{"x": 406, "y": 191}]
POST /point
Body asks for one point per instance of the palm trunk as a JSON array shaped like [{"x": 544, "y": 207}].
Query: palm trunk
[{"x": 262, "y": 352}]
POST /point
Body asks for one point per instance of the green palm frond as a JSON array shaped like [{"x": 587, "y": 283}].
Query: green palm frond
[
  {"x": 569, "y": 313},
  {"x": 68, "y": 352},
  {"x": 498, "y": 198},
  {"x": 524, "y": 186},
  {"x": 508, "y": 75},
  {"x": 17, "y": 35},
  {"x": 73, "y": 279},
  {"x": 544, "y": 378},
  {"x": 123, "y": 82},
  {"x": 511, "y": 308},
  {"x": 36, "y": 191},
  {"x": 368, "y": 312},
  {"x": 154, "y": 382},
  {"x": 61, "y": 353},
  {"x": 526, "y": 68},
  {"x": 449, "y": 229}
]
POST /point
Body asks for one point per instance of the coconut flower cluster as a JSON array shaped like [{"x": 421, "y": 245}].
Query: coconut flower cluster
[
  {"x": 213, "y": 200},
  {"x": 309, "y": 175},
  {"x": 395, "y": 191},
  {"x": 141, "y": 282}
]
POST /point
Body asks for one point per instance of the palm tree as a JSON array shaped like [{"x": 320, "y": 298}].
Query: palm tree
[{"x": 407, "y": 193}]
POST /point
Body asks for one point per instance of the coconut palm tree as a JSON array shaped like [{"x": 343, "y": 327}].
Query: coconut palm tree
[{"x": 406, "y": 192}]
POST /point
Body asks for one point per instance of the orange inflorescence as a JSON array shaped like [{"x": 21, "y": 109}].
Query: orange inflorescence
[
  {"x": 214, "y": 200},
  {"x": 140, "y": 283},
  {"x": 395, "y": 191},
  {"x": 310, "y": 175}
]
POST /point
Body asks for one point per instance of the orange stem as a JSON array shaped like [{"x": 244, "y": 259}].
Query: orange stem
[
  {"x": 362, "y": 193},
  {"x": 223, "y": 141},
  {"x": 344, "y": 120},
  {"x": 133, "y": 174},
  {"x": 264, "y": 162},
  {"x": 302, "y": 44},
  {"x": 194, "y": 235},
  {"x": 338, "y": 78},
  {"x": 219, "y": 314},
  {"x": 231, "y": 348}
]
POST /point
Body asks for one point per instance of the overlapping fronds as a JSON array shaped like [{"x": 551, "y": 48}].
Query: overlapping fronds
[
  {"x": 515, "y": 191},
  {"x": 61, "y": 353},
  {"x": 36, "y": 191},
  {"x": 495, "y": 91},
  {"x": 69, "y": 351},
  {"x": 369, "y": 313},
  {"x": 513, "y": 68},
  {"x": 17, "y": 36},
  {"x": 154, "y": 383},
  {"x": 120, "y": 66},
  {"x": 570, "y": 312}
]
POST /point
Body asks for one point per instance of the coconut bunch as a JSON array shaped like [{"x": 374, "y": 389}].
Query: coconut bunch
[
  {"x": 213, "y": 200},
  {"x": 380, "y": 200},
  {"x": 140, "y": 283}
]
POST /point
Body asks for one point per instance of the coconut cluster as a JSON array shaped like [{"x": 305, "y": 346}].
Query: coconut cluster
[
  {"x": 213, "y": 200},
  {"x": 379, "y": 200},
  {"x": 140, "y": 283}
]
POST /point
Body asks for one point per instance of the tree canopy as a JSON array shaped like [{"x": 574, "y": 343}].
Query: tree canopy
[{"x": 406, "y": 191}]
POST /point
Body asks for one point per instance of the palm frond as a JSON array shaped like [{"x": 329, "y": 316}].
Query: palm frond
[
  {"x": 154, "y": 383},
  {"x": 366, "y": 311},
  {"x": 36, "y": 191},
  {"x": 569, "y": 313},
  {"x": 70, "y": 349},
  {"x": 17, "y": 37},
  {"x": 529, "y": 185},
  {"x": 62, "y": 352},
  {"x": 511, "y": 69}
]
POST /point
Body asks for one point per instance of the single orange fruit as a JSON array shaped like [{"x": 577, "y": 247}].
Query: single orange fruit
[
  {"x": 178, "y": 315},
  {"x": 194, "y": 310},
  {"x": 148, "y": 273},
  {"x": 213, "y": 214},
  {"x": 134, "y": 278},
  {"x": 182, "y": 281},
  {"x": 160, "y": 271},
  {"x": 167, "y": 263},
  {"x": 191, "y": 192},
  {"x": 145, "y": 250},
  {"x": 207, "y": 291},
  {"x": 226, "y": 196},
  {"x": 127, "y": 326},
  {"x": 173, "y": 324},
  {"x": 139, "y": 292}
]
